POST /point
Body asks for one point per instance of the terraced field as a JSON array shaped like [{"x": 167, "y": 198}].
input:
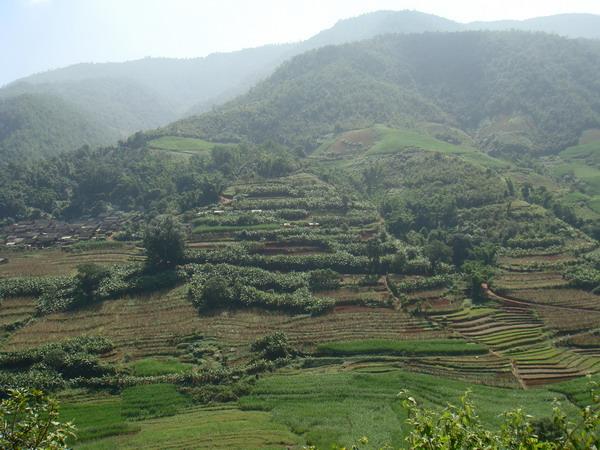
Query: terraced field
[
  {"x": 563, "y": 298},
  {"x": 385, "y": 329},
  {"x": 15, "y": 310},
  {"x": 529, "y": 280},
  {"x": 519, "y": 335},
  {"x": 60, "y": 262},
  {"x": 153, "y": 325}
]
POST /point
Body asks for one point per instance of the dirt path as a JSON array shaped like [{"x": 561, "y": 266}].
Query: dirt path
[{"x": 397, "y": 302}]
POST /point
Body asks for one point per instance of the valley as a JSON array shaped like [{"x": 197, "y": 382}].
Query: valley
[{"x": 383, "y": 225}]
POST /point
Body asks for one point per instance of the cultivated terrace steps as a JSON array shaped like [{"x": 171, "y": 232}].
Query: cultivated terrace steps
[{"x": 518, "y": 334}]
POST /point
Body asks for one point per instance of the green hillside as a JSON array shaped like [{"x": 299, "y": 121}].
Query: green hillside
[
  {"x": 412, "y": 216},
  {"x": 504, "y": 89},
  {"x": 34, "y": 124},
  {"x": 138, "y": 95}
]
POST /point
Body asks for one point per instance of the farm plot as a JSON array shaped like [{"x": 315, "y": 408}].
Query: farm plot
[
  {"x": 568, "y": 322},
  {"x": 153, "y": 325},
  {"x": 529, "y": 280},
  {"x": 565, "y": 297},
  {"x": 518, "y": 334},
  {"x": 119, "y": 421},
  {"x": 490, "y": 369},
  {"x": 16, "y": 309},
  {"x": 183, "y": 145},
  {"x": 325, "y": 404},
  {"x": 539, "y": 262},
  {"x": 59, "y": 262},
  {"x": 218, "y": 427},
  {"x": 299, "y": 214}
]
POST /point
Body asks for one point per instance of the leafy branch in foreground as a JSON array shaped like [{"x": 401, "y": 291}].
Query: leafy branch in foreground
[
  {"x": 458, "y": 427},
  {"x": 29, "y": 420}
]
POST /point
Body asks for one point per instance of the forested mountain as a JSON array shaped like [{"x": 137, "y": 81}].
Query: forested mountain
[
  {"x": 120, "y": 98},
  {"x": 513, "y": 92},
  {"x": 43, "y": 124},
  {"x": 569, "y": 25}
]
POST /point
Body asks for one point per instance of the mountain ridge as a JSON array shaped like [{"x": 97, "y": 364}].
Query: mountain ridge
[{"x": 159, "y": 91}]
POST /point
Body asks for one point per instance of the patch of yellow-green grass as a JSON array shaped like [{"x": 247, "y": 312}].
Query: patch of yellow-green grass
[
  {"x": 392, "y": 140},
  {"x": 158, "y": 366},
  {"x": 152, "y": 400},
  {"x": 54, "y": 261},
  {"x": 583, "y": 162},
  {"x": 183, "y": 144},
  {"x": 384, "y": 140},
  {"x": 594, "y": 203},
  {"x": 214, "y": 428},
  {"x": 97, "y": 418}
]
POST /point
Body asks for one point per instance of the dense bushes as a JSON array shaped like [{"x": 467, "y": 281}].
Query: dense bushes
[
  {"x": 340, "y": 261},
  {"x": 534, "y": 242},
  {"x": 323, "y": 280},
  {"x": 222, "y": 286},
  {"x": 47, "y": 366},
  {"x": 418, "y": 284},
  {"x": 31, "y": 286},
  {"x": 583, "y": 276},
  {"x": 94, "y": 284},
  {"x": 273, "y": 346}
]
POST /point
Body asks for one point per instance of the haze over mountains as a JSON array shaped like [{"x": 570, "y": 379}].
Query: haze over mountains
[
  {"x": 113, "y": 100},
  {"x": 504, "y": 89}
]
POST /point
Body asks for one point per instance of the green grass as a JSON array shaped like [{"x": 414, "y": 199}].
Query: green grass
[
  {"x": 577, "y": 390},
  {"x": 391, "y": 140},
  {"x": 590, "y": 151},
  {"x": 394, "y": 141},
  {"x": 97, "y": 419},
  {"x": 583, "y": 161},
  {"x": 327, "y": 406},
  {"x": 158, "y": 366},
  {"x": 233, "y": 228},
  {"x": 403, "y": 348},
  {"x": 152, "y": 400},
  {"x": 214, "y": 428},
  {"x": 183, "y": 144},
  {"x": 594, "y": 203}
]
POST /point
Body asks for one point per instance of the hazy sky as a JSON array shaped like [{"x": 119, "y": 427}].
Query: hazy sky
[{"x": 36, "y": 35}]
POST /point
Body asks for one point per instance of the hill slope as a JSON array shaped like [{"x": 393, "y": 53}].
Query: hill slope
[
  {"x": 40, "y": 124},
  {"x": 514, "y": 92},
  {"x": 129, "y": 96}
]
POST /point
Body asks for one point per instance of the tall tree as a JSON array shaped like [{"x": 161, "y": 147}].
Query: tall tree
[{"x": 164, "y": 241}]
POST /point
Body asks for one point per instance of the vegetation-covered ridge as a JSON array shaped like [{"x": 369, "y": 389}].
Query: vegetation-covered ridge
[{"x": 505, "y": 89}]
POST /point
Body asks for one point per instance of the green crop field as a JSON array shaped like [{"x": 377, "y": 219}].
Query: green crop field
[
  {"x": 184, "y": 145},
  {"x": 158, "y": 366},
  {"x": 327, "y": 406},
  {"x": 218, "y": 428}
]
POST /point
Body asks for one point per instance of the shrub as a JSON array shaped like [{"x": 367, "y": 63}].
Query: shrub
[
  {"x": 273, "y": 346},
  {"x": 323, "y": 280},
  {"x": 583, "y": 276},
  {"x": 69, "y": 359},
  {"x": 214, "y": 286}
]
